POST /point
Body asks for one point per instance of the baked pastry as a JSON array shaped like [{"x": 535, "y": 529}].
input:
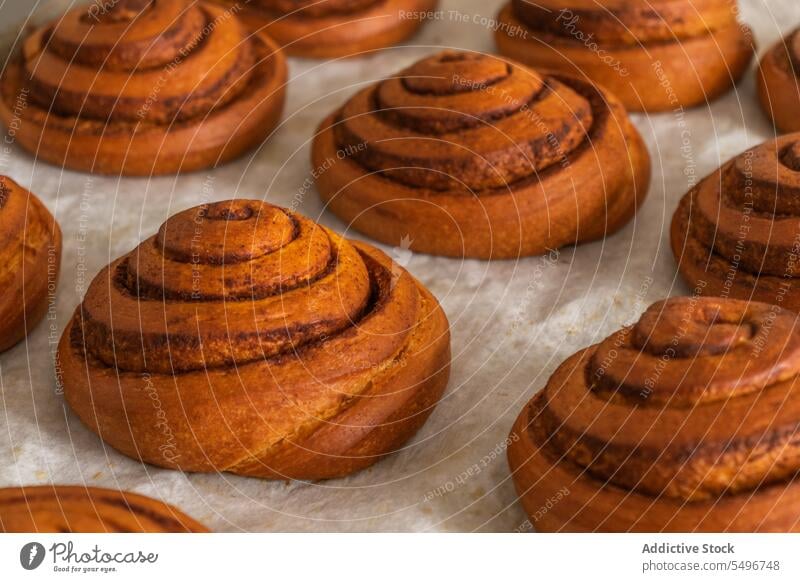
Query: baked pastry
[
  {"x": 30, "y": 260},
  {"x": 272, "y": 347},
  {"x": 683, "y": 422},
  {"x": 735, "y": 234},
  {"x": 467, "y": 155},
  {"x": 778, "y": 85},
  {"x": 73, "y": 509},
  {"x": 334, "y": 28},
  {"x": 143, "y": 87},
  {"x": 654, "y": 56}
]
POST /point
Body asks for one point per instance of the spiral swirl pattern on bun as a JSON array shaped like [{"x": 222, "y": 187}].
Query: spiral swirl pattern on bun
[
  {"x": 778, "y": 85},
  {"x": 30, "y": 260},
  {"x": 737, "y": 233},
  {"x": 72, "y": 509},
  {"x": 334, "y": 28},
  {"x": 685, "y": 421},
  {"x": 465, "y": 154},
  {"x": 144, "y": 87},
  {"x": 273, "y": 347},
  {"x": 654, "y": 56}
]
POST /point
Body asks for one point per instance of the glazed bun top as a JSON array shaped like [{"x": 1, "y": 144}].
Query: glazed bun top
[
  {"x": 464, "y": 121},
  {"x": 626, "y": 21},
  {"x": 30, "y": 260},
  {"x": 225, "y": 283},
  {"x": 751, "y": 212},
  {"x": 696, "y": 400},
  {"x": 159, "y": 61},
  {"x": 276, "y": 348},
  {"x": 67, "y": 509}
]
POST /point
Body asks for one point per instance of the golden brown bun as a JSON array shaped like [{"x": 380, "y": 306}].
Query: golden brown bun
[
  {"x": 246, "y": 338},
  {"x": 778, "y": 87},
  {"x": 467, "y": 155},
  {"x": 72, "y": 509},
  {"x": 685, "y": 421},
  {"x": 144, "y": 88},
  {"x": 30, "y": 260},
  {"x": 654, "y": 56},
  {"x": 736, "y": 233},
  {"x": 334, "y": 28}
]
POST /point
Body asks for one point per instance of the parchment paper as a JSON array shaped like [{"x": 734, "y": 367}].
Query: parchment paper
[{"x": 512, "y": 322}]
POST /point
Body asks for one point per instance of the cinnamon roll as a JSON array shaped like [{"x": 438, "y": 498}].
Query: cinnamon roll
[
  {"x": 246, "y": 338},
  {"x": 30, "y": 260},
  {"x": 778, "y": 86},
  {"x": 737, "y": 233},
  {"x": 143, "y": 87},
  {"x": 73, "y": 509},
  {"x": 685, "y": 421},
  {"x": 467, "y": 155},
  {"x": 654, "y": 56},
  {"x": 334, "y": 28}
]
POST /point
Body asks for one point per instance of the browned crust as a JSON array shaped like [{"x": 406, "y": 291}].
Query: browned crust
[
  {"x": 691, "y": 72},
  {"x": 618, "y": 23},
  {"x": 711, "y": 274},
  {"x": 685, "y": 421},
  {"x": 30, "y": 255},
  {"x": 74, "y": 509},
  {"x": 340, "y": 35},
  {"x": 778, "y": 88},
  {"x": 315, "y": 410},
  {"x": 609, "y": 171},
  {"x": 560, "y": 497},
  {"x": 147, "y": 148}
]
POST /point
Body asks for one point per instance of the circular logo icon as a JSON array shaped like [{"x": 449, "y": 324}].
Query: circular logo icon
[{"x": 31, "y": 555}]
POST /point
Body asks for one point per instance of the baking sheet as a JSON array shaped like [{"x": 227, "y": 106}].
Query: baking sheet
[{"x": 512, "y": 322}]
